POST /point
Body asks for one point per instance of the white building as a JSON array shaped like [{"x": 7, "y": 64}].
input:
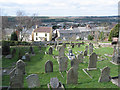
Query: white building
[{"x": 42, "y": 34}]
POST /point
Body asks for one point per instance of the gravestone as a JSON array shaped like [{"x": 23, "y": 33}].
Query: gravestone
[
  {"x": 70, "y": 52},
  {"x": 13, "y": 52},
  {"x": 63, "y": 61},
  {"x": 33, "y": 81},
  {"x": 50, "y": 51},
  {"x": 72, "y": 45},
  {"x": 61, "y": 51},
  {"x": 54, "y": 82},
  {"x": 86, "y": 48},
  {"x": 80, "y": 58},
  {"x": 48, "y": 66},
  {"x": 85, "y": 53},
  {"x": 75, "y": 63},
  {"x": 8, "y": 56},
  {"x": 31, "y": 50},
  {"x": 27, "y": 57},
  {"x": 92, "y": 62},
  {"x": 17, "y": 75},
  {"x": 78, "y": 44},
  {"x": 105, "y": 75},
  {"x": 90, "y": 48},
  {"x": 72, "y": 76}
]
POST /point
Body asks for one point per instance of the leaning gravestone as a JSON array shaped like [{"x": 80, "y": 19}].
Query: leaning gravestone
[
  {"x": 54, "y": 82},
  {"x": 75, "y": 63},
  {"x": 63, "y": 61},
  {"x": 33, "y": 81},
  {"x": 92, "y": 61},
  {"x": 90, "y": 48},
  {"x": 48, "y": 66},
  {"x": 61, "y": 51},
  {"x": 105, "y": 75},
  {"x": 80, "y": 58},
  {"x": 72, "y": 76},
  {"x": 50, "y": 51},
  {"x": 17, "y": 75}
]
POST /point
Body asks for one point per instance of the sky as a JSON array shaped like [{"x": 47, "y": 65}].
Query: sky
[{"x": 59, "y": 7}]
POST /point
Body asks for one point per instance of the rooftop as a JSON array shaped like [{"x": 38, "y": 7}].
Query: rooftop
[{"x": 43, "y": 29}]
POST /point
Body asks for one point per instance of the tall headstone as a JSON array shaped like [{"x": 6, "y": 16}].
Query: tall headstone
[
  {"x": 61, "y": 51},
  {"x": 50, "y": 51},
  {"x": 17, "y": 75},
  {"x": 75, "y": 63},
  {"x": 33, "y": 81},
  {"x": 80, "y": 58},
  {"x": 48, "y": 66},
  {"x": 92, "y": 62},
  {"x": 63, "y": 61},
  {"x": 72, "y": 76},
  {"x": 105, "y": 75},
  {"x": 90, "y": 48}
]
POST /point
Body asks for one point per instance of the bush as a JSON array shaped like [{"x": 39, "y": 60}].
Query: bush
[
  {"x": 90, "y": 37},
  {"x": 5, "y": 48},
  {"x": 14, "y": 37},
  {"x": 114, "y": 32}
]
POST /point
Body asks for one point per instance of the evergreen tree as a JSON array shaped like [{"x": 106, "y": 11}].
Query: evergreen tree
[{"x": 14, "y": 37}]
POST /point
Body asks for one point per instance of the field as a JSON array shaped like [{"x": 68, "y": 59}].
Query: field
[{"x": 37, "y": 66}]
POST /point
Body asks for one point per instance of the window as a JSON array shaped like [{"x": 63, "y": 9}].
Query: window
[
  {"x": 36, "y": 38},
  {"x": 45, "y": 34},
  {"x": 36, "y": 34}
]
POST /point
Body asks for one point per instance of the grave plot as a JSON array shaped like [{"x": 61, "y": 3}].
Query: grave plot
[{"x": 63, "y": 71}]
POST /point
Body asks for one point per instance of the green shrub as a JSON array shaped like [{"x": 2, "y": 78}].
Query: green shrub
[
  {"x": 90, "y": 37},
  {"x": 14, "y": 37},
  {"x": 5, "y": 48}
]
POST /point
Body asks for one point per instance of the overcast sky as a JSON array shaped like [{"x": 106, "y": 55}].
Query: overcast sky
[{"x": 60, "y": 7}]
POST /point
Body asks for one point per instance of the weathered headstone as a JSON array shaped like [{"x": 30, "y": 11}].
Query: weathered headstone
[
  {"x": 80, "y": 58},
  {"x": 8, "y": 56},
  {"x": 27, "y": 56},
  {"x": 78, "y": 44},
  {"x": 92, "y": 62},
  {"x": 63, "y": 61},
  {"x": 50, "y": 51},
  {"x": 17, "y": 75},
  {"x": 90, "y": 48},
  {"x": 61, "y": 51},
  {"x": 33, "y": 81},
  {"x": 85, "y": 53},
  {"x": 105, "y": 75},
  {"x": 75, "y": 63},
  {"x": 48, "y": 66},
  {"x": 72, "y": 76},
  {"x": 54, "y": 82}
]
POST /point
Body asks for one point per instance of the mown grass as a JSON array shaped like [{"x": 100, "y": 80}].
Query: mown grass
[{"x": 37, "y": 66}]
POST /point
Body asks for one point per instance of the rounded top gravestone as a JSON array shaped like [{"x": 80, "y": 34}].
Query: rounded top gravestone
[{"x": 54, "y": 82}]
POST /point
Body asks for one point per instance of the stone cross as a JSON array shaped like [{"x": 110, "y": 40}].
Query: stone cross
[
  {"x": 48, "y": 66},
  {"x": 63, "y": 61},
  {"x": 33, "y": 81},
  {"x": 72, "y": 76},
  {"x": 92, "y": 61},
  {"x": 105, "y": 75}
]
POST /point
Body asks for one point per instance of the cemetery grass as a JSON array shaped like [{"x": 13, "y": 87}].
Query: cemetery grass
[{"x": 37, "y": 66}]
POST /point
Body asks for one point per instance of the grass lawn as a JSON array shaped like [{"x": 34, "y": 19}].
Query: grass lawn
[{"x": 37, "y": 66}]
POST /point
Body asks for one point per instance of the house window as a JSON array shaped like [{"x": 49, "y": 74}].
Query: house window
[
  {"x": 45, "y": 34},
  {"x": 36, "y": 38},
  {"x": 36, "y": 34}
]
